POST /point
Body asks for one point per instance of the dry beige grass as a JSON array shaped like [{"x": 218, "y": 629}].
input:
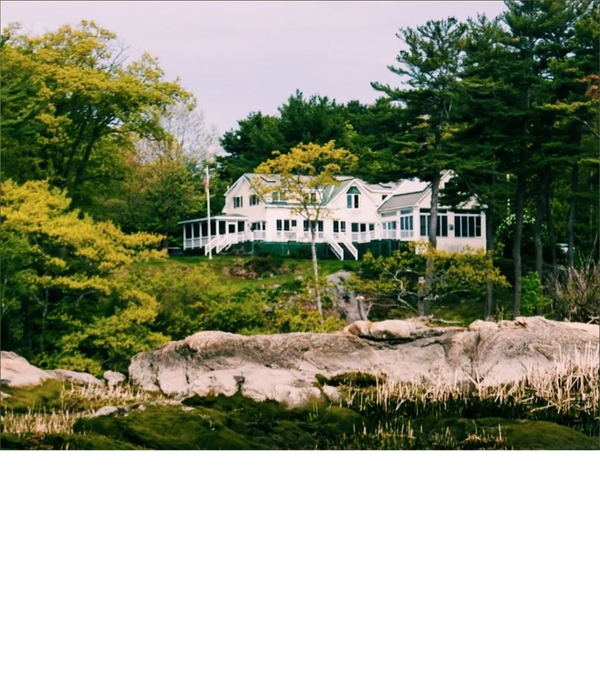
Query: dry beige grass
[
  {"x": 41, "y": 423},
  {"x": 570, "y": 386}
]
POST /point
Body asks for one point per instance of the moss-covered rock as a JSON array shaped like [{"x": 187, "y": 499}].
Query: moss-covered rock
[
  {"x": 45, "y": 396},
  {"x": 62, "y": 442},
  {"x": 338, "y": 421},
  {"x": 540, "y": 435}
]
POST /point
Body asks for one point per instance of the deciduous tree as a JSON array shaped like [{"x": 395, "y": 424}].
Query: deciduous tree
[{"x": 302, "y": 176}]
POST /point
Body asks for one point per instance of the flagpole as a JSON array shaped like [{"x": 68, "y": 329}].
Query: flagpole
[{"x": 207, "y": 187}]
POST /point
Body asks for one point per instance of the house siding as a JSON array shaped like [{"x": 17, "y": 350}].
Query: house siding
[{"x": 372, "y": 211}]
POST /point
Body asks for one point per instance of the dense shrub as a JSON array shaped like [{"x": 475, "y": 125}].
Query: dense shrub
[{"x": 574, "y": 293}]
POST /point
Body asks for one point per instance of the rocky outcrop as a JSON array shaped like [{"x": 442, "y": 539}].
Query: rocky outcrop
[
  {"x": 17, "y": 372},
  {"x": 283, "y": 367}
]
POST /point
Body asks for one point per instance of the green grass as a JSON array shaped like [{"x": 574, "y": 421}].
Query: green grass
[{"x": 294, "y": 268}]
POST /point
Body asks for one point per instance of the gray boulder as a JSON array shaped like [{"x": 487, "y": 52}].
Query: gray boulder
[
  {"x": 113, "y": 378},
  {"x": 75, "y": 377},
  {"x": 283, "y": 367},
  {"x": 17, "y": 372}
]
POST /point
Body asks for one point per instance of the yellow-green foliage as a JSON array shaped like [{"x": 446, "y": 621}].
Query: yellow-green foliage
[
  {"x": 70, "y": 102},
  {"x": 73, "y": 297},
  {"x": 404, "y": 282}
]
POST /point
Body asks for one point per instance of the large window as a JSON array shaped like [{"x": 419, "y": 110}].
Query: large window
[
  {"x": 406, "y": 224},
  {"x": 238, "y": 202},
  {"x": 388, "y": 226},
  {"x": 286, "y": 224},
  {"x": 339, "y": 226},
  {"x": 442, "y": 223},
  {"x": 467, "y": 225},
  {"x": 313, "y": 224},
  {"x": 353, "y": 198}
]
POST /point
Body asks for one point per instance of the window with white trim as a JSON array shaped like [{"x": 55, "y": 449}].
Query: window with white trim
[
  {"x": 253, "y": 200},
  {"x": 353, "y": 198},
  {"x": 313, "y": 224},
  {"x": 467, "y": 225},
  {"x": 238, "y": 202},
  {"x": 442, "y": 224},
  {"x": 285, "y": 224},
  {"x": 406, "y": 224},
  {"x": 339, "y": 226}
]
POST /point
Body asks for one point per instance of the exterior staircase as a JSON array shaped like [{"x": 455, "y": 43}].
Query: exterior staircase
[
  {"x": 343, "y": 240},
  {"x": 337, "y": 250}
]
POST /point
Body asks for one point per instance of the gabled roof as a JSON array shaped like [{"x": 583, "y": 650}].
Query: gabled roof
[
  {"x": 332, "y": 192},
  {"x": 412, "y": 185},
  {"x": 397, "y": 201},
  {"x": 408, "y": 193}
]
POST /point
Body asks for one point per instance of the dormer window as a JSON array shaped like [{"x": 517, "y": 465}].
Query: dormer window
[
  {"x": 277, "y": 196},
  {"x": 353, "y": 198},
  {"x": 313, "y": 198}
]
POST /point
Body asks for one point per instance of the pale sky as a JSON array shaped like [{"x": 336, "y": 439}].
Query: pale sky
[{"x": 239, "y": 57}]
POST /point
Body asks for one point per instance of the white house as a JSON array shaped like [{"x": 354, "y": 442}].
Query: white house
[{"x": 356, "y": 213}]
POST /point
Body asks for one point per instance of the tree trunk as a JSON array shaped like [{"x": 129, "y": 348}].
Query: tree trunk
[
  {"x": 425, "y": 306},
  {"x": 519, "y": 210},
  {"x": 551, "y": 233},
  {"x": 45, "y": 305},
  {"x": 315, "y": 266},
  {"x": 537, "y": 231},
  {"x": 422, "y": 305},
  {"x": 572, "y": 208},
  {"x": 360, "y": 304},
  {"x": 435, "y": 194},
  {"x": 489, "y": 246}
]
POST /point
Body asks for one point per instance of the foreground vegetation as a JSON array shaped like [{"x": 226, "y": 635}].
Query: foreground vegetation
[{"x": 556, "y": 410}]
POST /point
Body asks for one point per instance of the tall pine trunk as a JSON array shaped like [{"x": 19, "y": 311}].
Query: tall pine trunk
[
  {"x": 315, "y": 266},
  {"x": 572, "y": 209},
  {"x": 435, "y": 196},
  {"x": 551, "y": 232},
  {"x": 489, "y": 246},
  {"x": 537, "y": 231},
  {"x": 432, "y": 235},
  {"x": 519, "y": 211}
]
